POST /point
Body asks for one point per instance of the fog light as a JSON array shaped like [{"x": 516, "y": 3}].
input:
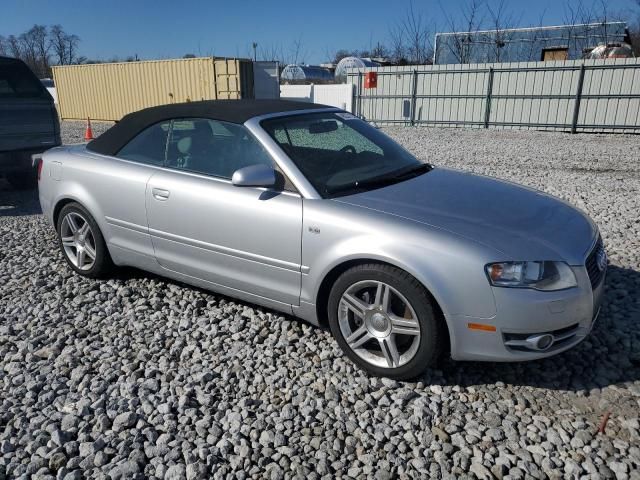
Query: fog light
[{"x": 544, "y": 342}]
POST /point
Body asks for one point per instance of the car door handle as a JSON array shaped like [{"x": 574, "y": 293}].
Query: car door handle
[{"x": 160, "y": 194}]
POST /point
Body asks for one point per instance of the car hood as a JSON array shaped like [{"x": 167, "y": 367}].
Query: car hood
[{"x": 522, "y": 223}]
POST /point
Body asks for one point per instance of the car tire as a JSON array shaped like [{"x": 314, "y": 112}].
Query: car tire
[
  {"x": 407, "y": 319},
  {"x": 23, "y": 181},
  {"x": 81, "y": 242}
]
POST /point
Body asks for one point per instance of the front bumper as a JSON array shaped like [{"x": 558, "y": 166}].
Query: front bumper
[{"x": 565, "y": 316}]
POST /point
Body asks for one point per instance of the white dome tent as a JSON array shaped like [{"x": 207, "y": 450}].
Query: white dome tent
[
  {"x": 352, "y": 62},
  {"x": 304, "y": 73}
]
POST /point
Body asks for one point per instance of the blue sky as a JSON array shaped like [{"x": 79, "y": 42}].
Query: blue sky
[{"x": 169, "y": 29}]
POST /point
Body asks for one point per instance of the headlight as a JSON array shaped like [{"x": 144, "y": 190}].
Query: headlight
[{"x": 537, "y": 275}]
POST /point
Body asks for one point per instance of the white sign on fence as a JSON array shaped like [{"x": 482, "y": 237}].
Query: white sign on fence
[{"x": 340, "y": 95}]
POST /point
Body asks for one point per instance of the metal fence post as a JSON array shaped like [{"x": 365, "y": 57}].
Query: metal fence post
[
  {"x": 487, "y": 106},
  {"x": 414, "y": 92},
  {"x": 576, "y": 104},
  {"x": 359, "y": 113}
]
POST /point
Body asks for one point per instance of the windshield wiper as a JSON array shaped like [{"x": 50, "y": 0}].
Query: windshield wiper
[
  {"x": 412, "y": 171},
  {"x": 383, "y": 180}
]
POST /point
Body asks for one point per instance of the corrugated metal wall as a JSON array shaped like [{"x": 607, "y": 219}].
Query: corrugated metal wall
[
  {"x": 109, "y": 91},
  {"x": 340, "y": 95},
  {"x": 540, "y": 95}
]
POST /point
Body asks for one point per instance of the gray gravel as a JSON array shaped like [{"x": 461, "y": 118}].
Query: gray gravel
[{"x": 137, "y": 376}]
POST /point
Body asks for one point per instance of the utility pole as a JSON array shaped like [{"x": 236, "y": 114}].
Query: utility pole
[{"x": 255, "y": 56}]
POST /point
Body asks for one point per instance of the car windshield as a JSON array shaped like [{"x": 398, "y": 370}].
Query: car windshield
[{"x": 340, "y": 154}]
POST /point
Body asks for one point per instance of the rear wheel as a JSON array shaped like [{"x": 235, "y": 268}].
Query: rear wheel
[
  {"x": 82, "y": 243},
  {"x": 23, "y": 180},
  {"x": 384, "y": 321}
]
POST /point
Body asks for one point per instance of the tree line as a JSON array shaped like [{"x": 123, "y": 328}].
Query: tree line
[
  {"x": 42, "y": 46},
  {"x": 410, "y": 38}
]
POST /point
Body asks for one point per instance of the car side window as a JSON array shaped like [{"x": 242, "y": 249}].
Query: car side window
[
  {"x": 213, "y": 148},
  {"x": 148, "y": 147}
]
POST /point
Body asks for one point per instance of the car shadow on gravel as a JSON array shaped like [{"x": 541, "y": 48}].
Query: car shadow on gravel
[
  {"x": 16, "y": 203},
  {"x": 610, "y": 355}
]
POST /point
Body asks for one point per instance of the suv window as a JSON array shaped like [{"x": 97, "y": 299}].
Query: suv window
[
  {"x": 148, "y": 146},
  {"x": 17, "y": 81},
  {"x": 213, "y": 148}
]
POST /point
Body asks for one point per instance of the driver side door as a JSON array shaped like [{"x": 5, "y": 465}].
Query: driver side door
[{"x": 246, "y": 239}]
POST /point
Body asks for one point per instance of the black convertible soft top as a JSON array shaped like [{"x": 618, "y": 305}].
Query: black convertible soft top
[{"x": 234, "y": 111}]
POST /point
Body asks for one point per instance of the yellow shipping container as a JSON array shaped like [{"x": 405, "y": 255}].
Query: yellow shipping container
[{"x": 108, "y": 91}]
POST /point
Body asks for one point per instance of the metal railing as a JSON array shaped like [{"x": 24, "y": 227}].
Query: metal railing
[{"x": 570, "y": 96}]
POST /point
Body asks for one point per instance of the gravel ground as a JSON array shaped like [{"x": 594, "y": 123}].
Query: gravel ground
[{"x": 138, "y": 376}]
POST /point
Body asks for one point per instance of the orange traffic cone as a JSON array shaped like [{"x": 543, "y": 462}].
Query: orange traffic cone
[{"x": 88, "y": 133}]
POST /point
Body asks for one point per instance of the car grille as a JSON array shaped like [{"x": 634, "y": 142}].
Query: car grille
[{"x": 595, "y": 272}]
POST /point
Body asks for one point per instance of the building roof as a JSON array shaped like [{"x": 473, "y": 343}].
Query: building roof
[
  {"x": 524, "y": 44},
  {"x": 233, "y": 111},
  {"x": 532, "y": 29}
]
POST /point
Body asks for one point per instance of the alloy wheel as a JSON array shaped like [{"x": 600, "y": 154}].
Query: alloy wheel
[
  {"x": 379, "y": 324},
  {"x": 78, "y": 241}
]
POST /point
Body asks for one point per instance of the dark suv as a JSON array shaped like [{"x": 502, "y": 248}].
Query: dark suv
[{"x": 28, "y": 122}]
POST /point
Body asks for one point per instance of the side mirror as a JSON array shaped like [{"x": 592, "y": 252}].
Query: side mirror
[{"x": 254, "y": 176}]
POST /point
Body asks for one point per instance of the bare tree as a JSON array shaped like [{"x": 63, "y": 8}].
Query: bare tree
[
  {"x": 411, "y": 36},
  {"x": 501, "y": 22},
  {"x": 589, "y": 22},
  {"x": 532, "y": 48},
  {"x": 64, "y": 45},
  {"x": 72, "y": 48},
  {"x": 418, "y": 36},
  {"x": 29, "y": 50},
  {"x": 572, "y": 14},
  {"x": 39, "y": 46},
  {"x": 41, "y": 40},
  {"x": 397, "y": 45},
  {"x": 35, "y": 45},
  {"x": 271, "y": 52},
  {"x": 634, "y": 31},
  {"x": 342, "y": 53},
  {"x": 297, "y": 53},
  {"x": 465, "y": 26},
  {"x": 378, "y": 51},
  {"x": 58, "y": 44},
  {"x": 14, "y": 46}
]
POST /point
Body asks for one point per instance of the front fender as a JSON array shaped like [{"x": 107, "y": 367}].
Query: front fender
[{"x": 451, "y": 267}]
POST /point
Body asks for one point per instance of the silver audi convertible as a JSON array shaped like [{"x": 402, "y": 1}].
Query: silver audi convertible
[{"x": 311, "y": 211}]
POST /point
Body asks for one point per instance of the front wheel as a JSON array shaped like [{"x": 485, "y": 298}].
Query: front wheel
[
  {"x": 82, "y": 243},
  {"x": 384, "y": 321}
]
